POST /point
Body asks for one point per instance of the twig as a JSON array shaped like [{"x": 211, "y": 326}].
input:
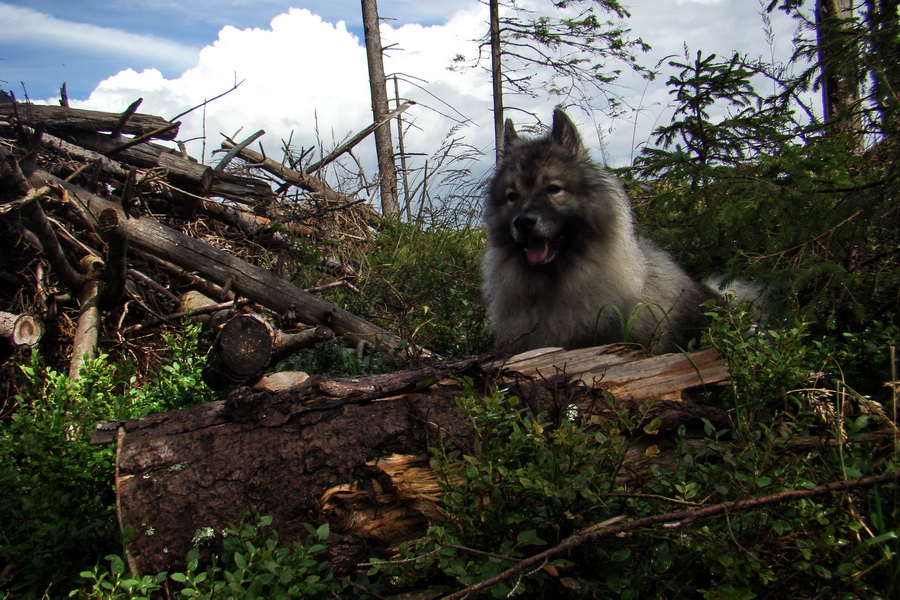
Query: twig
[
  {"x": 673, "y": 519},
  {"x": 205, "y": 102},
  {"x": 143, "y": 138},
  {"x": 195, "y": 312},
  {"x": 334, "y": 284},
  {"x": 357, "y": 138},
  {"x": 808, "y": 242},
  {"x": 120, "y": 125},
  {"x": 237, "y": 149}
]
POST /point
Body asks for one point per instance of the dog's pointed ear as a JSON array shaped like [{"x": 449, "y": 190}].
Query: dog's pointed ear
[
  {"x": 565, "y": 134},
  {"x": 509, "y": 133}
]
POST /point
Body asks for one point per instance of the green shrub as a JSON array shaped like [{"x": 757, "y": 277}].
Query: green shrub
[
  {"x": 253, "y": 564},
  {"x": 528, "y": 483},
  {"x": 57, "y": 496}
]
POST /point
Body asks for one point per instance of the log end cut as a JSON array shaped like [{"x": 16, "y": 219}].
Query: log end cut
[{"x": 20, "y": 331}]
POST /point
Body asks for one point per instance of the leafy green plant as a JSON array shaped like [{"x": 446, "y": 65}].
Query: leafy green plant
[
  {"x": 251, "y": 564},
  {"x": 254, "y": 564},
  {"x": 56, "y": 490},
  {"x": 528, "y": 483},
  {"x": 114, "y": 583}
]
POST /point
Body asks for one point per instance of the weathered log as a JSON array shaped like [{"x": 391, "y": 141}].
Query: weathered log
[
  {"x": 20, "y": 331},
  {"x": 62, "y": 118},
  {"x": 191, "y": 176},
  {"x": 334, "y": 449},
  {"x": 257, "y": 284},
  {"x": 246, "y": 190},
  {"x": 87, "y": 330},
  {"x": 253, "y": 226}
]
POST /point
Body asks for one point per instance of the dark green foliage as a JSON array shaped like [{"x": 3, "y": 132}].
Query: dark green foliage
[
  {"x": 57, "y": 498},
  {"x": 528, "y": 484},
  {"x": 56, "y": 491},
  {"x": 797, "y": 424},
  {"x": 252, "y": 564},
  {"x": 756, "y": 193}
]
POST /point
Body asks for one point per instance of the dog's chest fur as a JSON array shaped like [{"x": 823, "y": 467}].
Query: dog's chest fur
[{"x": 562, "y": 305}]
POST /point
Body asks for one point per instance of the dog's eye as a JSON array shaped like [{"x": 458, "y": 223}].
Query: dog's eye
[
  {"x": 512, "y": 196},
  {"x": 553, "y": 189}
]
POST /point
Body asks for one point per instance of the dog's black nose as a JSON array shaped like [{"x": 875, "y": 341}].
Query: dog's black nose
[{"x": 524, "y": 223}]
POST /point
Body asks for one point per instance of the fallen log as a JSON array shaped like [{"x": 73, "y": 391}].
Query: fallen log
[
  {"x": 62, "y": 118},
  {"x": 191, "y": 176},
  {"x": 354, "y": 452}
]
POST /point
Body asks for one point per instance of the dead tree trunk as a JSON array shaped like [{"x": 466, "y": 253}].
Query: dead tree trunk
[
  {"x": 354, "y": 451},
  {"x": 497, "y": 78},
  {"x": 384, "y": 146}
]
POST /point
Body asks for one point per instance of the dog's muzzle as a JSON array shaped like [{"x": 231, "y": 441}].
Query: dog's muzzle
[{"x": 539, "y": 249}]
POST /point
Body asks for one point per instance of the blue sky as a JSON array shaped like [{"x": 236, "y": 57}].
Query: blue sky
[{"x": 303, "y": 69}]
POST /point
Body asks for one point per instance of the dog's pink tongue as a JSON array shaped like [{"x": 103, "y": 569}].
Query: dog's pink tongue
[{"x": 537, "y": 251}]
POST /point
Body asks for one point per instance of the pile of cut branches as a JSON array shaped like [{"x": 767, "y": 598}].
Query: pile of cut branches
[{"x": 106, "y": 221}]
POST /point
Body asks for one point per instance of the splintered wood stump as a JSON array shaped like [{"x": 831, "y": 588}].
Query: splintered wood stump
[{"x": 355, "y": 451}]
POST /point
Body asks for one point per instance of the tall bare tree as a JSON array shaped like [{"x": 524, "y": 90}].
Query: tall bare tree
[
  {"x": 840, "y": 87},
  {"x": 497, "y": 78},
  {"x": 854, "y": 57},
  {"x": 387, "y": 169}
]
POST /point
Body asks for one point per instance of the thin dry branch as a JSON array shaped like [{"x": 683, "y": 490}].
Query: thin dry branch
[
  {"x": 672, "y": 520},
  {"x": 346, "y": 146}
]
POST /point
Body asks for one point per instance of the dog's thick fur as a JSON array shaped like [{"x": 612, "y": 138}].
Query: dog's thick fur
[{"x": 564, "y": 266}]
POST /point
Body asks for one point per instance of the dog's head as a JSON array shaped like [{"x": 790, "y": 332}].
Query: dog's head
[{"x": 539, "y": 195}]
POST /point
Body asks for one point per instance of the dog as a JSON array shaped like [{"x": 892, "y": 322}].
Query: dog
[{"x": 564, "y": 265}]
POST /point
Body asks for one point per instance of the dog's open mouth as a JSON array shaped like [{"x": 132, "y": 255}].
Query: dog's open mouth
[{"x": 539, "y": 251}]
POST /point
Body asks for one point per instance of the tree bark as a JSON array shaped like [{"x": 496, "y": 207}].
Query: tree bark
[
  {"x": 354, "y": 451},
  {"x": 838, "y": 54},
  {"x": 61, "y": 118},
  {"x": 496, "y": 78},
  {"x": 384, "y": 146}
]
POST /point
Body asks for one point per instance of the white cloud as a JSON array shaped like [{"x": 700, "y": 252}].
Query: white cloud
[{"x": 31, "y": 26}]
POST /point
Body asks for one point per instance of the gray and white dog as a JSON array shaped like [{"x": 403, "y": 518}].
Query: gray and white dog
[{"x": 564, "y": 265}]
